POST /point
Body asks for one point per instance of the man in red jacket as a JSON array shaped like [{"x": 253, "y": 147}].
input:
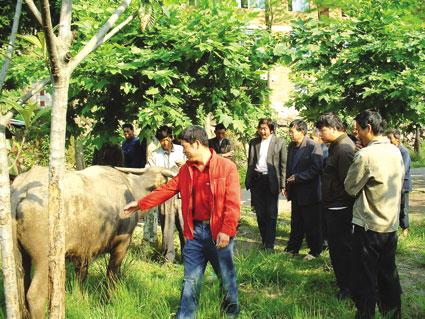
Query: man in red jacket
[{"x": 210, "y": 193}]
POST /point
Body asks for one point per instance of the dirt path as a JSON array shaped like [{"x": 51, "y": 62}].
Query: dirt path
[{"x": 417, "y": 196}]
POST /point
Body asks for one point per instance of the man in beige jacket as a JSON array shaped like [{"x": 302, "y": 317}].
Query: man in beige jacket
[{"x": 375, "y": 179}]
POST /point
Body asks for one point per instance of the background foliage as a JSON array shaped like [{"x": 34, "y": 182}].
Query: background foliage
[{"x": 374, "y": 57}]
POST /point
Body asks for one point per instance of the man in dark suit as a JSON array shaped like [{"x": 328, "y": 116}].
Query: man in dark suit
[
  {"x": 266, "y": 178},
  {"x": 220, "y": 143},
  {"x": 133, "y": 149},
  {"x": 304, "y": 166},
  {"x": 395, "y": 138}
]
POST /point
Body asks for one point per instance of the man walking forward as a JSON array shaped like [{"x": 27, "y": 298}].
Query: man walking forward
[{"x": 210, "y": 192}]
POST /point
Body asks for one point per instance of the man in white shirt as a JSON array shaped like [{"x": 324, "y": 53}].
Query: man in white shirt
[
  {"x": 265, "y": 178},
  {"x": 169, "y": 156}
]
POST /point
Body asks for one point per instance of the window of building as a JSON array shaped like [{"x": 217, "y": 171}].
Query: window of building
[
  {"x": 251, "y": 4},
  {"x": 298, "y": 5}
]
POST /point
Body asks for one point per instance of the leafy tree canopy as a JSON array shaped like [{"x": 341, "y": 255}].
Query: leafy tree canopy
[
  {"x": 192, "y": 61},
  {"x": 374, "y": 57}
]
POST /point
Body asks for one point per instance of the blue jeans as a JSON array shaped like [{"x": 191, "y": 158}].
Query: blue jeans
[{"x": 196, "y": 253}]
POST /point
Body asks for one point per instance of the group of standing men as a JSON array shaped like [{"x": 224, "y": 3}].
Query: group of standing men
[
  {"x": 357, "y": 190},
  {"x": 360, "y": 191}
]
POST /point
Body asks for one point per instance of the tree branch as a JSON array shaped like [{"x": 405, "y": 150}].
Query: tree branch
[
  {"x": 99, "y": 37},
  {"x": 10, "y": 47},
  {"x": 34, "y": 10},
  {"x": 65, "y": 22},
  {"x": 36, "y": 87},
  {"x": 51, "y": 39},
  {"x": 116, "y": 30}
]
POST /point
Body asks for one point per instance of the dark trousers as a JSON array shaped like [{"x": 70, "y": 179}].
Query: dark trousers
[
  {"x": 404, "y": 210},
  {"x": 169, "y": 215},
  {"x": 196, "y": 254},
  {"x": 305, "y": 219},
  {"x": 374, "y": 274},
  {"x": 340, "y": 230},
  {"x": 265, "y": 207},
  {"x": 324, "y": 222}
]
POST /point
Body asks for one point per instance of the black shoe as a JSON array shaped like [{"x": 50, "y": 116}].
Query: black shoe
[{"x": 290, "y": 251}]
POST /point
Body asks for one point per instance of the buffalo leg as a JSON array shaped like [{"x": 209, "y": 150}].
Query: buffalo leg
[
  {"x": 37, "y": 292},
  {"x": 81, "y": 266},
  {"x": 117, "y": 255}
]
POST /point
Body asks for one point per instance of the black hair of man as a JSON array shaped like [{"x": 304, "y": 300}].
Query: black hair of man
[
  {"x": 372, "y": 118},
  {"x": 195, "y": 133},
  {"x": 394, "y": 132},
  {"x": 128, "y": 125},
  {"x": 220, "y": 126},
  {"x": 299, "y": 125},
  {"x": 163, "y": 131},
  {"x": 268, "y": 122},
  {"x": 330, "y": 120}
]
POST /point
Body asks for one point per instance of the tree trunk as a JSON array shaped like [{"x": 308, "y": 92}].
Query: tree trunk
[
  {"x": 6, "y": 233},
  {"x": 79, "y": 155},
  {"x": 56, "y": 204},
  {"x": 417, "y": 144},
  {"x": 10, "y": 47}
]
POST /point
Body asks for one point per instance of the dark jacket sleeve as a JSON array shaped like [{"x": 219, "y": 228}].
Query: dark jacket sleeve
[
  {"x": 282, "y": 164},
  {"x": 248, "y": 177},
  {"x": 314, "y": 169},
  {"x": 345, "y": 158},
  {"x": 406, "y": 161}
]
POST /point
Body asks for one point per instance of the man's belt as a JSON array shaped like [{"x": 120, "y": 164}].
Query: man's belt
[
  {"x": 205, "y": 222},
  {"x": 261, "y": 173}
]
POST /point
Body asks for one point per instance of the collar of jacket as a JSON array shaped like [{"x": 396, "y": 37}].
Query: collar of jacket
[
  {"x": 379, "y": 140},
  {"x": 212, "y": 162},
  {"x": 338, "y": 139},
  {"x": 303, "y": 142}
]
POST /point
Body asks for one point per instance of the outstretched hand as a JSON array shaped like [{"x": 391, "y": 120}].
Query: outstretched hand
[{"x": 131, "y": 208}]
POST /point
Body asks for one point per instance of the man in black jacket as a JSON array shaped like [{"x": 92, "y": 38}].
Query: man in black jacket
[
  {"x": 304, "y": 166},
  {"x": 337, "y": 203},
  {"x": 265, "y": 178},
  {"x": 220, "y": 143}
]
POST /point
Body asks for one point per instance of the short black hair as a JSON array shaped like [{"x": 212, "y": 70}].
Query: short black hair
[
  {"x": 163, "y": 131},
  {"x": 299, "y": 125},
  {"x": 128, "y": 125},
  {"x": 195, "y": 133},
  {"x": 372, "y": 118},
  {"x": 394, "y": 132},
  {"x": 330, "y": 120},
  {"x": 268, "y": 122},
  {"x": 220, "y": 126}
]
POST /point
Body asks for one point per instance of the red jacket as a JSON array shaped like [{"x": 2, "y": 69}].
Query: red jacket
[{"x": 225, "y": 189}]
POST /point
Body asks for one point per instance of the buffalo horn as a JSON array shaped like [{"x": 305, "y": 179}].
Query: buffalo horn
[{"x": 131, "y": 170}]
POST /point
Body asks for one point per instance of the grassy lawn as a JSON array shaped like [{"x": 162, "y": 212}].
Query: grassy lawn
[{"x": 270, "y": 285}]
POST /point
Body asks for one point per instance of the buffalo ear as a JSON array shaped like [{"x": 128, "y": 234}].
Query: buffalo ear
[{"x": 168, "y": 173}]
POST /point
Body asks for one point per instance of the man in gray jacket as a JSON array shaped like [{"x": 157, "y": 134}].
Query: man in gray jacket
[
  {"x": 375, "y": 179},
  {"x": 337, "y": 203}
]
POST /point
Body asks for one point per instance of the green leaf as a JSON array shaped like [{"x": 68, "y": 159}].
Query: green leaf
[{"x": 152, "y": 91}]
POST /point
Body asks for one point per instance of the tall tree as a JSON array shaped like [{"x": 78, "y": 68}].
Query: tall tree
[
  {"x": 61, "y": 65},
  {"x": 372, "y": 58},
  {"x": 6, "y": 234}
]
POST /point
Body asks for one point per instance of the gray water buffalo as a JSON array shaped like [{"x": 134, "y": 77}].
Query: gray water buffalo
[{"x": 94, "y": 199}]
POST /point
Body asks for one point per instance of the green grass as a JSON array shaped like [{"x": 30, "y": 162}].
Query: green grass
[
  {"x": 418, "y": 160},
  {"x": 270, "y": 285}
]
